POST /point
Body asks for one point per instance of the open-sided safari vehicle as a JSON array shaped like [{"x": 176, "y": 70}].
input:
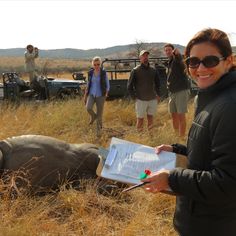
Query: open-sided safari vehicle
[
  {"x": 118, "y": 71},
  {"x": 14, "y": 88}
]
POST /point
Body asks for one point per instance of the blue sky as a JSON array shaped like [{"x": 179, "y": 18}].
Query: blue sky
[{"x": 100, "y": 24}]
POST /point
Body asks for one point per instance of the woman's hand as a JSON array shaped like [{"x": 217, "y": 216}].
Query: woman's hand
[
  {"x": 163, "y": 147},
  {"x": 157, "y": 182}
]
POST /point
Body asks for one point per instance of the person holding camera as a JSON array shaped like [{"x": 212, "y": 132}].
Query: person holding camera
[
  {"x": 30, "y": 54},
  {"x": 178, "y": 89}
]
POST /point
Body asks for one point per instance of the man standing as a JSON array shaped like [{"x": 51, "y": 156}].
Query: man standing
[
  {"x": 178, "y": 88},
  {"x": 144, "y": 86},
  {"x": 30, "y": 54}
]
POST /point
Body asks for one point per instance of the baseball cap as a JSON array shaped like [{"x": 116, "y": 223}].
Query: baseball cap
[{"x": 143, "y": 52}]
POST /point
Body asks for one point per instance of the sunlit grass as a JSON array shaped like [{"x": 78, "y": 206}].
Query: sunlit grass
[{"x": 86, "y": 212}]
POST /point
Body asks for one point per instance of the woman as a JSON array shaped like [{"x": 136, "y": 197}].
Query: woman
[
  {"x": 206, "y": 189},
  {"x": 96, "y": 92}
]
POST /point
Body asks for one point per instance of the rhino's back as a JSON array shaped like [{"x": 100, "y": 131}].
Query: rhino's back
[
  {"x": 49, "y": 161},
  {"x": 18, "y": 150}
]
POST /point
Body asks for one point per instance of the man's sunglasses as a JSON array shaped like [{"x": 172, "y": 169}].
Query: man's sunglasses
[{"x": 208, "y": 61}]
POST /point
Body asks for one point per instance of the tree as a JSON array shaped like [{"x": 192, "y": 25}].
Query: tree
[
  {"x": 140, "y": 45},
  {"x": 136, "y": 48}
]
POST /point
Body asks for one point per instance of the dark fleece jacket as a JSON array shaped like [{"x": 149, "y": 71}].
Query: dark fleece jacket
[{"x": 206, "y": 190}]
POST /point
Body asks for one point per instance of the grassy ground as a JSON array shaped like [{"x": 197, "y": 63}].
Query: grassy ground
[{"x": 72, "y": 212}]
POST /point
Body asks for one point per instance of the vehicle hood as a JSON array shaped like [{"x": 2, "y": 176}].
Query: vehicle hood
[{"x": 66, "y": 81}]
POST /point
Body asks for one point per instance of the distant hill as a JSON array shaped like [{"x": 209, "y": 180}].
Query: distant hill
[
  {"x": 110, "y": 52},
  {"x": 71, "y": 53}
]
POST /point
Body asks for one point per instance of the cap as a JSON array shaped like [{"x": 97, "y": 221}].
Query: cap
[{"x": 143, "y": 52}]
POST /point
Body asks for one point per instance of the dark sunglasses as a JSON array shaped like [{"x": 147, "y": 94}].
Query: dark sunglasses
[
  {"x": 208, "y": 61},
  {"x": 96, "y": 64}
]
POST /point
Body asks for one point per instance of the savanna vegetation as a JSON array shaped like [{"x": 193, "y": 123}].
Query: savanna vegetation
[
  {"x": 45, "y": 66},
  {"x": 86, "y": 212}
]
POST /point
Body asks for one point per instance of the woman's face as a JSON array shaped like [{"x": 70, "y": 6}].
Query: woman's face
[
  {"x": 207, "y": 76},
  {"x": 96, "y": 65}
]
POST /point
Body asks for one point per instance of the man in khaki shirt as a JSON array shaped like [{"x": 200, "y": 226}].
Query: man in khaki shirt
[{"x": 30, "y": 54}]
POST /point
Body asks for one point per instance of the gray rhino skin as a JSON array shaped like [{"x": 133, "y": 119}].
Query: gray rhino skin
[{"x": 48, "y": 162}]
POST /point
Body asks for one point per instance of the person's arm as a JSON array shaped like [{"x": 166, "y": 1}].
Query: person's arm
[
  {"x": 163, "y": 147},
  {"x": 86, "y": 92},
  {"x": 178, "y": 59},
  {"x": 176, "y": 148},
  {"x": 29, "y": 56},
  {"x": 179, "y": 149},
  {"x": 107, "y": 85},
  {"x": 159, "y": 181},
  {"x": 36, "y": 52},
  {"x": 131, "y": 84},
  {"x": 157, "y": 85},
  {"x": 85, "y": 97}
]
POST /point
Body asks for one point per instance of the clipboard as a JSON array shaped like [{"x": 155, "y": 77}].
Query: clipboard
[{"x": 125, "y": 160}]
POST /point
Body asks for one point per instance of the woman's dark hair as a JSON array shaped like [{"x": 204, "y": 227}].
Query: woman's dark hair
[{"x": 214, "y": 36}]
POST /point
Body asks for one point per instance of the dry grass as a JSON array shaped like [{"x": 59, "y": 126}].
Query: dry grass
[
  {"x": 85, "y": 213},
  {"x": 51, "y": 63},
  {"x": 49, "y": 66}
]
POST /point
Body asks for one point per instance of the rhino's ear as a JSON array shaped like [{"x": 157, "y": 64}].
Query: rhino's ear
[
  {"x": 5, "y": 147},
  {"x": 1, "y": 160}
]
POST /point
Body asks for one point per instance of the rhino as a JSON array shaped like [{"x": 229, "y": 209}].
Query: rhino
[{"x": 47, "y": 162}]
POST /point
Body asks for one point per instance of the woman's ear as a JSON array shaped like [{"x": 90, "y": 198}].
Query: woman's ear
[{"x": 229, "y": 62}]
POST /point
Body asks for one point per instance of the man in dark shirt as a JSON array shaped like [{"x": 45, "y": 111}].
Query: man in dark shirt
[
  {"x": 178, "y": 89},
  {"x": 144, "y": 86}
]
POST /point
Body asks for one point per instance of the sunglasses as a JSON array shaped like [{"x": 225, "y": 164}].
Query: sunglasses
[
  {"x": 208, "y": 61},
  {"x": 96, "y": 64}
]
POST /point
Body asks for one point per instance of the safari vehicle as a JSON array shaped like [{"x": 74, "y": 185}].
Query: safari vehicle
[
  {"x": 14, "y": 88},
  {"x": 118, "y": 71}
]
